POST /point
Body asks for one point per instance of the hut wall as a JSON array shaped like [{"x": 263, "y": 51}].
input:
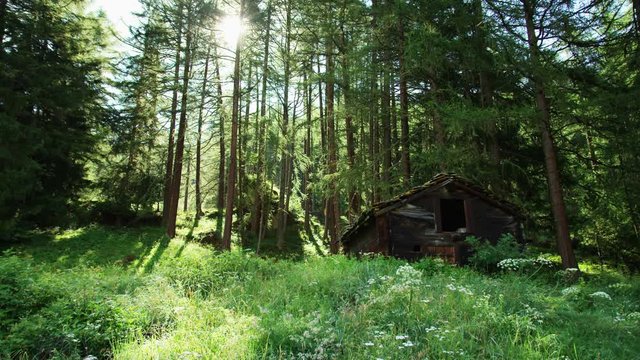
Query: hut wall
[
  {"x": 365, "y": 240},
  {"x": 490, "y": 222}
]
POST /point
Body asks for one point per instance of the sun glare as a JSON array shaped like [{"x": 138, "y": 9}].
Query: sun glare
[{"x": 231, "y": 27}]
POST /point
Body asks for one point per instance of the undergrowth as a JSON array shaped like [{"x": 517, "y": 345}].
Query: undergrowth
[{"x": 132, "y": 294}]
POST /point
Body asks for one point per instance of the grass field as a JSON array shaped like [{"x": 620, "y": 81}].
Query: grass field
[{"x": 133, "y": 294}]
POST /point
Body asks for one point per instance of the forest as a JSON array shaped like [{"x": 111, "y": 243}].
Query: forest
[{"x": 196, "y": 175}]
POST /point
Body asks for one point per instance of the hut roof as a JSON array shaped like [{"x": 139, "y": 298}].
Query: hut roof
[{"x": 437, "y": 182}]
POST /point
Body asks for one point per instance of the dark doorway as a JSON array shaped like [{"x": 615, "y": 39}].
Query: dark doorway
[{"x": 452, "y": 214}]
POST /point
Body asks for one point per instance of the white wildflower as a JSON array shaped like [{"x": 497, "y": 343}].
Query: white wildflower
[
  {"x": 601, "y": 295},
  {"x": 368, "y": 343},
  {"x": 401, "y": 337},
  {"x": 618, "y": 318},
  {"x": 431, "y": 328},
  {"x": 634, "y": 316},
  {"x": 571, "y": 290},
  {"x": 460, "y": 289},
  {"x": 407, "y": 343},
  {"x": 619, "y": 286}
]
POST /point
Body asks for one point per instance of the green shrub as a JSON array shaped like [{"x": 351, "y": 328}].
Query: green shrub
[
  {"x": 70, "y": 327},
  {"x": 68, "y": 314},
  {"x": 20, "y": 291},
  {"x": 486, "y": 256}
]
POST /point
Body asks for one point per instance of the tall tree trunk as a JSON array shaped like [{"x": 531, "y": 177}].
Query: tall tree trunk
[
  {"x": 284, "y": 160},
  {"x": 323, "y": 124},
  {"x": 333, "y": 209},
  {"x": 242, "y": 151},
  {"x": 395, "y": 138},
  {"x": 185, "y": 207},
  {"x": 386, "y": 130},
  {"x": 177, "y": 166},
  {"x": 172, "y": 126},
  {"x": 231, "y": 179},
  {"x": 257, "y": 223},
  {"x": 354, "y": 196},
  {"x": 221, "y": 139},
  {"x": 374, "y": 105},
  {"x": 199, "y": 212},
  {"x": 553, "y": 173},
  {"x": 307, "y": 150},
  {"x": 404, "y": 111}
]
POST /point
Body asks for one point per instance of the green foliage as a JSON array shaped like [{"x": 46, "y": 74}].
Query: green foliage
[
  {"x": 486, "y": 256},
  {"x": 68, "y": 314},
  {"x": 50, "y": 105}
]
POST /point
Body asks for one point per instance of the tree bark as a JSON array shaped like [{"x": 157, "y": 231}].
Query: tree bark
[
  {"x": 548, "y": 146},
  {"x": 185, "y": 203},
  {"x": 199, "y": 212},
  {"x": 231, "y": 179},
  {"x": 354, "y": 196},
  {"x": 374, "y": 106},
  {"x": 386, "y": 132},
  {"x": 307, "y": 151},
  {"x": 242, "y": 151},
  {"x": 257, "y": 223},
  {"x": 323, "y": 125},
  {"x": 284, "y": 160},
  {"x": 172, "y": 126},
  {"x": 221, "y": 139},
  {"x": 333, "y": 210},
  {"x": 177, "y": 166},
  {"x": 404, "y": 111}
]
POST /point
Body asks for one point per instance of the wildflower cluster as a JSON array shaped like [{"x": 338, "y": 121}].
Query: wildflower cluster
[
  {"x": 405, "y": 341},
  {"x": 601, "y": 295},
  {"x": 522, "y": 264},
  {"x": 630, "y": 317},
  {"x": 534, "y": 314},
  {"x": 437, "y": 332},
  {"x": 453, "y": 353},
  {"x": 570, "y": 291},
  {"x": 319, "y": 340},
  {"x": 619, "y": 286},
  {"x": 406, "y": 278},
  {"x": 460, "y": 289},
  {"x": 406, "y": 282}
]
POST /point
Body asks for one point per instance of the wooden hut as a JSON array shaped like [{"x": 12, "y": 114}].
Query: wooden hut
[{"x": 433, "y": 220}]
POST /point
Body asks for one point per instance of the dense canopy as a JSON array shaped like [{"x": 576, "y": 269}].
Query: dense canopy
[{"x": 308, "y": 112}]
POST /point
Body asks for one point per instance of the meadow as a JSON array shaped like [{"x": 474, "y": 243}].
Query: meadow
[{"x": 133, "y": 294}]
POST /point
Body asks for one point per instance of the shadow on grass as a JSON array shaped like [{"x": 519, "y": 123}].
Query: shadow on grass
[
  {"x": 93, "y": 246},
  {"x": 293, "y": 245},
  {"x": 188, "y": 237},
  {"x": 157, "y": 254}
]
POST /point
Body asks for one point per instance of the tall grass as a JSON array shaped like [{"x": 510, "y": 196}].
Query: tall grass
[{"x": 136, "y": 295}]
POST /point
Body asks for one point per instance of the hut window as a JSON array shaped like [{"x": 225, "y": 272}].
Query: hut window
[
  {"x": 416, "y": 248},
  {"x": 452, "y": 214}
]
